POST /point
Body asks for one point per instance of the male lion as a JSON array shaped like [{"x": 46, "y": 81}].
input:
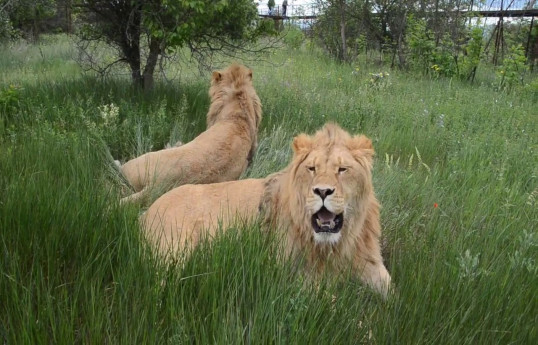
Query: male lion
[
  {"x": 323, "y": 201},
  {"x": 221, "y": 153}
]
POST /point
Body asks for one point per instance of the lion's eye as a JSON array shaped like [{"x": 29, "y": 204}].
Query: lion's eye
[
  {"x": 313, "y": 169},
  {"x": 341, "y": 170}
]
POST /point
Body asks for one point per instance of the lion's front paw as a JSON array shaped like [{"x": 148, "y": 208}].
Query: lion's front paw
[{"x": 378, "y": 278}]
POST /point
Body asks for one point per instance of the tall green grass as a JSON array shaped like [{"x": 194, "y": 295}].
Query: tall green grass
[{"x": 456, "y": 172}]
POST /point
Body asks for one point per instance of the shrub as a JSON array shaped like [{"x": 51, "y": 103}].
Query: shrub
[
  {"x": 294, "y": 37},
  {"x": 473, "y": 50},
  {"x": 445, "y": 58},
  {"x": 513, "y": 69},
  {"x": 421, "y": 46},
  {"x": 9, "y": 101}
]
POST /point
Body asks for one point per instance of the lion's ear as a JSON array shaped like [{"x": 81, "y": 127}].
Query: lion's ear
[
  {"x": 216, "y": 76},
  {"x": 302, "y": 144},
  {"x": 250, "y": 73},
  {"x": 361, "y": 146}
]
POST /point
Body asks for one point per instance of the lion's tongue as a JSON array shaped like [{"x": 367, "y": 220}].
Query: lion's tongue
[{"x": 325, "y": 216}]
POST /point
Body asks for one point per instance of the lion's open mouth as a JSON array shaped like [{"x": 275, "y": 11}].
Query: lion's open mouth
[{"x": 326, "y": 221}]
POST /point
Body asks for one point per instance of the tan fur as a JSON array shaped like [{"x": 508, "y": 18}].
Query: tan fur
[
  {"x": 287, "y": 202},
  {"x": 221, "y": 153},
  {"x": 182, "y": 216}
]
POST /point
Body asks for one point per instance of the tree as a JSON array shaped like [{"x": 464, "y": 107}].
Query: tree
[
  {"x": 340, "y": 25},
  {"x": 24, "y": 16},
  {"x": 383, "y": 24},
  {"x": 161, "y": 26}
]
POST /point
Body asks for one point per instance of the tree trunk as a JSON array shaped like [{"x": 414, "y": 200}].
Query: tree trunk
[
  {"x": 64, "y": 15},
  {"x": 132, "y": 55},
  {"x": 153, "y": 57},
  {"x": 401, "y": 46},
  {"x": 131, "y": 52},
  {"x": 436, "y": 24},
  {"x": 136, "y": 77},
  {"x": 343, "y": 30},
  {"x": 527, "y": 48},
  {"x": 499, "y": 38},
  {"x": 383, "y": 17},
  {"x": 69, "y": 16},
  {"x": 498, "y": 42},
  {"x": 130, "y": 45}
]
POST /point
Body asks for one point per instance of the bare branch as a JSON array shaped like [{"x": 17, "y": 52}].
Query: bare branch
[{"x": 8, "y": 2}]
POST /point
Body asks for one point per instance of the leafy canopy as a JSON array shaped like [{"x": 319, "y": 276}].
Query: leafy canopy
[{"x": 179, "y": 22}]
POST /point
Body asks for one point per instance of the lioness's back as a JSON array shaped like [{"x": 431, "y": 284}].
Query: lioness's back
[{"x": 206, "y": 159}]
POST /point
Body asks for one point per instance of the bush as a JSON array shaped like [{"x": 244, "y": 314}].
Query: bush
[
  {"x": 421, "y": 46},
  {"x": 9, "y": 101},
  {"x": 444, "y": 58},
  {"x": 294, "y": 37},
  {"x": 267, "y": 26},
  {"x": 473, "y": 50},
  {"x": 513, "y": 69},
  {"x": 6, "y": 29}
]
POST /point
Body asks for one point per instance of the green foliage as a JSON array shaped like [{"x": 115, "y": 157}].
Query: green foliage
[
  {"x": 361, "y": 44},
  {"x": 444, "y": 58},
  {"x": 132, "y": 27},
  {"x": 421, "y": 45},
  {"x": 531, "y": 89},
  {"x": 513, "y": 69},
  {"x": 516, "y": 32},
  {"x": 356, "y": 15},
  {"x": 22, "y": 16},
  {"x": 427, "y": 57},
  {"x": 9, "y": 100},
  {"x": 180, "y": 22},
  {"x": 6, "y": 27},
  {"x": 473, "y": 49},
  {"x": 430, "y": 37},
  {"x": 164, "y": 126},
  {"x": 294, "y": 37},
  {"x": 266, "y": 26}
]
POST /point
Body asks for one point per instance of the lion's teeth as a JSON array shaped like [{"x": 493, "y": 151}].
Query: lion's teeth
[
  {"x": 319, "y": 222},
  {"x": 332, "y": 224}
]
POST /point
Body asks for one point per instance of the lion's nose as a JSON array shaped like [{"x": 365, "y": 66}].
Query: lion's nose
[{"x": 323, "y": 192}]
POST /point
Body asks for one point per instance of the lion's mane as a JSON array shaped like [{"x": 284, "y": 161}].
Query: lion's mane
[{"x": 285, "y": 199}]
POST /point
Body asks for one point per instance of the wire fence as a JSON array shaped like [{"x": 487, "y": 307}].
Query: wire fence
[
  {"x": 311, "y": 10},
  {"x": 292, "y": 10}
]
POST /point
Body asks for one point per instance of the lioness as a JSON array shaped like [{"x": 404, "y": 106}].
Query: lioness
[
  {"x": 221, "y": 153},
  {"x": 324, "y": 202}
]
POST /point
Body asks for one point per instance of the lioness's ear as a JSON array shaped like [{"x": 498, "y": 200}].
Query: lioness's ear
[
  {"x": 302, "y": 144},
  {"x": 361, "y": 146},
  {"x": 216, "y": 76},
  {"x": 250, "y": 73}
]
